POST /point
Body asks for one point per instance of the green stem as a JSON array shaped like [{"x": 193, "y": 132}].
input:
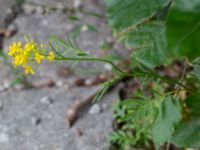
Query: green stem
[
  {"x": 152, "y": 74},
  {"x": 93, "y": 59},
  {"x": 125, "y": 74}
]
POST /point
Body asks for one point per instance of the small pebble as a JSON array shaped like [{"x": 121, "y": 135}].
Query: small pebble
[
  {"x": 4, "y": 138},
  {"x": 95, "y": 109},
  {"x": 46, "y": 100},
  {"x": 59, "y": 83},
  {"x": 84, "y": 28},
  {"x": 88, "y": 82},
  {"x": 108, "y": 67}
]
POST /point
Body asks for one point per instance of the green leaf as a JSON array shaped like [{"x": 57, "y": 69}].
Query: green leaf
[
  {"x": 197, "y": 67},
  {"x": 133, "y": 24},
  {"x": 73, "y": 18},
  {"x": 122, "y": 138},
  {"x": 187, "y": 134},
  {"x": 125, "y": 13},
  {"x": 91, "y": 28},
  {"x": 169, "y": 115},
  {"x": 150, "y": 44},
  {"x": 183, "y": 28},
  {"x": 141, "y": 111},
  {"x": 193, "y": 104}
]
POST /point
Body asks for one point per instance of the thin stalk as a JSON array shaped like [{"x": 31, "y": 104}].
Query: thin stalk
[
  {"x": 177, "y": 88},
  {"x": 141, "y": 73},
  {"x": 93, "y": 59},
  {"x": 135, "y": 74}
]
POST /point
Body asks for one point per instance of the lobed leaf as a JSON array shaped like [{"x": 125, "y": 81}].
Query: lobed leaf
[
  {"x": 127, "y": 13},
  {"x": 150, "y": 44},
  {"x": 132, "y": 22},
  {"x": 169, "y": 115}
]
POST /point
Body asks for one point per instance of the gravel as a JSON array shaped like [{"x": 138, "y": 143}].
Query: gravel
[{"x": 95, "y": 109}]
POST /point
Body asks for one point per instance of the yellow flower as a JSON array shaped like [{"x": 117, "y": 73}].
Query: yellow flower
[
  {"x": 29, "y": 46},
  {"x": 29, "y": 54},
  {"x": 51, "y": 56},
  {"x": 20, "y": 59},
  {"x": 15, "y": 48},
  {"x": 28, "y": 69},
  {"x": 17, "y": 60},
  {"x": 38, "y": 57}
]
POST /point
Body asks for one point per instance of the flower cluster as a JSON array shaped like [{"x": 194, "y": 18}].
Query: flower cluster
[{"x": 28, "y": 54}]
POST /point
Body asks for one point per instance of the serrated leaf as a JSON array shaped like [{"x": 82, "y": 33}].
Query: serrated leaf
[
  {"x": 129, "y": 19},
  {"x": 125, "y": 13},
  {"x": 169, "y": 115},
  {"x": 183, "y": 28},
  {"x": 187, "y": 134},
  {"x": 141, "y": 112},
  {"x": 150, "y": 44}
]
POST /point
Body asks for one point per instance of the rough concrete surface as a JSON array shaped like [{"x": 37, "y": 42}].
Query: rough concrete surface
[
  {"x": 35, "y": 119},
  {"x": 27, "y": 123}
]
